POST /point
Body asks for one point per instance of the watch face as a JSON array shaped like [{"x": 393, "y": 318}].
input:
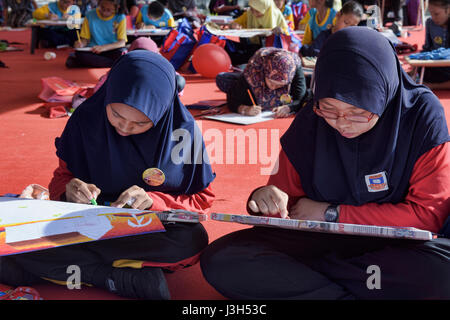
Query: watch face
[{"x": 331, "y": 214}]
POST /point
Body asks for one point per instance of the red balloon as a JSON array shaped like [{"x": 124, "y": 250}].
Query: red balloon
[{"x": 210, "y": 59}]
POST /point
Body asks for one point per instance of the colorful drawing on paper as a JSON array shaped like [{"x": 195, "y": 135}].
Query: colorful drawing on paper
[{"x": 28, "y": 225}]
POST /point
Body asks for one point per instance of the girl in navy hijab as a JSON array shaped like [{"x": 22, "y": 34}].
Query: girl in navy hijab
[
  {"x": 371, "y": 149},
  {"x": 132, "y": 142}
]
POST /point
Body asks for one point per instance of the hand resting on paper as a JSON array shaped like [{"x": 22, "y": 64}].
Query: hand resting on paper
[
  {"x": 135, "y": 197},
  {"x": 35, "y": 191},
  {"x": 81, "y": 192},
  {"x": 52, "y": 16},
  {"x": 235, "y": 25},
  {"x": 282, "y": 111},
  {"x": 80, "y": 44},
  {"x": 98, "y": 49},
  {"x": 270, "y": 201},
  {"x": 249, "y": 110}
]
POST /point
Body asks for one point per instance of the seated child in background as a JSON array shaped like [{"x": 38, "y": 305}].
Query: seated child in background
[
  {"x": 275, "y": 79},
  {"x": 286, "y": 10},
  {"x": 96, "y": 33},
  {"x": 319, "y": 18},
  {"x": 263, "y": 14},
  {"x": 225, "y": 7},
  {"x": 85, "y": 5},
  {"x": 437, "y": 36},
  {"x": 154, "y": 15},
  {"x": 21, "y": 11},
  {"x": 141, "y": 43},
  {"x": 53, "y": 36},
  {"x": 131, "y": 9},
  {"x": 350, "y": 15},
  {"x": 184, "y": 9}
]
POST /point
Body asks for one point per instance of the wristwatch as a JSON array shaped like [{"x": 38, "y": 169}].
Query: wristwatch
[{"x": 331, "y": 214}]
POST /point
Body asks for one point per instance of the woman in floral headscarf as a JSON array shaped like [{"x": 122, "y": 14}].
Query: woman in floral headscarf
[{"x": 275, "y": 80}]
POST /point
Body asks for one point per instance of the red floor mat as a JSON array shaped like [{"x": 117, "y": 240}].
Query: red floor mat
[{"x": 28, "y": 153}]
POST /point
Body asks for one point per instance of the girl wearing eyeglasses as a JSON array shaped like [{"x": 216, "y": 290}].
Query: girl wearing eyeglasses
[{"x": 373, "y": 150}]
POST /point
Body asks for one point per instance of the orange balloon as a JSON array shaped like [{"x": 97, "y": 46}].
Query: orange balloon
[{"x": 210, "y": 59}]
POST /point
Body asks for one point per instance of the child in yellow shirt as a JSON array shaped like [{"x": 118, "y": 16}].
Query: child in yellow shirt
[
  {"x": 53, "y": 36},
  {"x": 106, "y": 46}
]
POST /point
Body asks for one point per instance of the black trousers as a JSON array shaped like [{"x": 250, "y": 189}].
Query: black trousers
[
  {"x": 241, "y": 52},
  {"x": 57, "y": 36},
  {"x": 179, "y": 245},
  {"x": 437, "y": 75},
  {"x": 269, "y": 263},
  {"x": 83, "y": 59}
]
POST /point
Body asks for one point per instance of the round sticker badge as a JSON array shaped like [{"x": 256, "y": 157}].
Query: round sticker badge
[
  {"x": 285, "y": 98},
  {"x": 153, "y": 177}
]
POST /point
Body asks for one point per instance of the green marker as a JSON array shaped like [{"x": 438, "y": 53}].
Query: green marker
[{"x": 93, "y": 202}]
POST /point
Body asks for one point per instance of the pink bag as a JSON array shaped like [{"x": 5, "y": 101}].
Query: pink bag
[{"x": 56, "y": 89}]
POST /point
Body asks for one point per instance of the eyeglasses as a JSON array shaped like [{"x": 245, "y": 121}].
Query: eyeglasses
[{"x": 349, "y": 117}]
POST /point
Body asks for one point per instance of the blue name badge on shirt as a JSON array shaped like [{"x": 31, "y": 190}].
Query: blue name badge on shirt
[{"x": 376, "y": 182}]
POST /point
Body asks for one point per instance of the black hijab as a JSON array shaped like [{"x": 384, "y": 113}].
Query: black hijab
[{"x": 359, "y": 66}]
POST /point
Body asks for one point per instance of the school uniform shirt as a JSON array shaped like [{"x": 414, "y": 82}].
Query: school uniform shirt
[
  {"x": 92, "y": 150},
  {"x": 166, "y": 20},
  {"x": 54, "y": 8},
  {"x": 426, "y": 206},
  {"x": 100, "y": 31},
  {"x": 396, "y": 173},
  {"x": 315, "y": 27},
  {"x": 436, "y": 36},
  {"x": 200, "y": 202},
  {"x": 272, "y": 17}
]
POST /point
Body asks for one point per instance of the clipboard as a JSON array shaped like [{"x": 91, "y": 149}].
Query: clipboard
[{"x": 326, "y": 227}]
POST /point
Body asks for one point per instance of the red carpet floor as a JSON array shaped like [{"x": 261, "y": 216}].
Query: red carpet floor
[{"x": 27, "y": 153}]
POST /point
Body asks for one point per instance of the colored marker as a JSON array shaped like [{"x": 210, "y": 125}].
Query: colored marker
[{"x": 93, "y": 202}]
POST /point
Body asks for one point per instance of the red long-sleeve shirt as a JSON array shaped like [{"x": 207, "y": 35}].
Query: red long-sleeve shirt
[
  {"x": 426, "y": 206},
  {"x": 200, "y": 202}
]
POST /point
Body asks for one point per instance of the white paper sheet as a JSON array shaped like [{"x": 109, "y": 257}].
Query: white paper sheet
[
  {"x": 84, "y": 49},
  {"x": 28, "y": 219},
  {"x": 241, "y": 119}
]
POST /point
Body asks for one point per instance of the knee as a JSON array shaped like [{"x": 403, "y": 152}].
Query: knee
[{"x": 212, "y": 265}]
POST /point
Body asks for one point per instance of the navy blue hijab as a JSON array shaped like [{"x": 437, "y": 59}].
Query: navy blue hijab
[
  {"x": 96, "y": 153},
  {"x": 359, "y": 66}
]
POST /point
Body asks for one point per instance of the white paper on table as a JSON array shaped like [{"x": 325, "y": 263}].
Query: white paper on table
[
  {"x": 84, "y": 49},
  {"x": 241, "y": 119}
]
